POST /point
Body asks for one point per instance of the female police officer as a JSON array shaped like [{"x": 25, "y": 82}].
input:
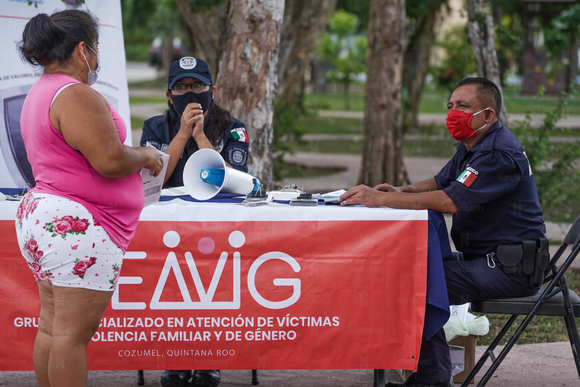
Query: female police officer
[{"x": 194, "y": 121}]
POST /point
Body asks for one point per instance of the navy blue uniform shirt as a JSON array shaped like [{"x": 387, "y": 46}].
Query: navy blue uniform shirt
[
  {"x": 233, "y": 146},
  {"x": 495, "y": 191}
]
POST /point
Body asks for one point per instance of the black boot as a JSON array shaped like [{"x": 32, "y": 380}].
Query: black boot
[
  {"x": 206, "y": 378},
  {"x": 411, "y": 382},
  {"x": 175, "y": 378}
]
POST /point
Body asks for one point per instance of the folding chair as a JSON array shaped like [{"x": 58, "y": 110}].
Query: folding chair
[{"x": 555, "y": 299}]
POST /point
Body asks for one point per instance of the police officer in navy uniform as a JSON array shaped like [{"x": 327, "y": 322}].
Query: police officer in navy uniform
[
  {"x": 490, "y": 189},
  {"x": 194, "y": 121}
]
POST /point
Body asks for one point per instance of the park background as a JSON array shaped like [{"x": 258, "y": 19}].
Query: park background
[
  {"x": 321, "y": 126},
  {"x": 360, "y": 80}
]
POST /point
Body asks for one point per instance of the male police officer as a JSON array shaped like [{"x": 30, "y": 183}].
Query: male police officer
[{"x": 489, "y": 188}]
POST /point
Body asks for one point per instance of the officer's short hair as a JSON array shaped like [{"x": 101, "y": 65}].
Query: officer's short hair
[{"x": 487, "y": 91}]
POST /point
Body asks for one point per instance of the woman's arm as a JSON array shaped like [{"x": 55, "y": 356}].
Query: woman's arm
[{"x": 83, "y": 118}]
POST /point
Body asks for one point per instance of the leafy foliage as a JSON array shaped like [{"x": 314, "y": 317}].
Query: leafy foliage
[
  {"x": 344, "y": 50},
  {"x": 509, "y": 30},
  {"x": 555, "y": 165},
  {"x": 561, "y": 35},
  {"x": 458, "y": 62},
  {"x": 136, "y": 17},
  {"x": 286, "y": 134},
  {"x": 360, "y": 8}
]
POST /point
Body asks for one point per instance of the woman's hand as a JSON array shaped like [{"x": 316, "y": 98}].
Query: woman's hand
[{"x": 154, "y": 161}]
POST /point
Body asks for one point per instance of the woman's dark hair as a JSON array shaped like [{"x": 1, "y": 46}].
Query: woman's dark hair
[
  {"x": 215, "y": 122},
  {"x": 48, "y": 39}
]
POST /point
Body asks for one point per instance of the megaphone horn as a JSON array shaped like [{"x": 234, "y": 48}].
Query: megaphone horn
[{"x": 206, "y": 174}]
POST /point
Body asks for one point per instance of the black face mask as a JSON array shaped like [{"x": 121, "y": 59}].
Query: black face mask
[{"x": 180, "y": 102}]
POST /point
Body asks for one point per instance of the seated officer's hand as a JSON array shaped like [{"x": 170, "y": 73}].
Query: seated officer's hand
[
  {"x": 192, "y": 120},
  {"x": 361, "y": 194},
  {"x": 387, "y": 188}
]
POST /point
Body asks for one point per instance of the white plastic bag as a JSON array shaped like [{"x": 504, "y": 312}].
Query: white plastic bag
[
  {"x": 455, "y": 327},
  {"x": 478, "y": 326}
]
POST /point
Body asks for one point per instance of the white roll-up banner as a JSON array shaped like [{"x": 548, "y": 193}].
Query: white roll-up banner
[{"x": 17, "y": 76}]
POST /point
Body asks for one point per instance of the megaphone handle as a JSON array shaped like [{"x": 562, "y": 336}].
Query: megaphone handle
[{"x": 212, "y": 176}]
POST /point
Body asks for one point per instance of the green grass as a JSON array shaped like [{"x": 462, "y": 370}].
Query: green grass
[
  {"x": 287, "y": 170},
  {"x": 137, "y": 122},
  {"x": 330, "y": 125},
  {"x": 542, "y": 329},
  {"x": 432, "y": 100},
  {"x": 335, "y": 100},
  {"x": 435, "y": 100},
  {"x": 137, "y": 52},
  {"x": 411, "y": 148},
  {"x": 160, "y": 84},
  {"x": 147, "y": 100}
]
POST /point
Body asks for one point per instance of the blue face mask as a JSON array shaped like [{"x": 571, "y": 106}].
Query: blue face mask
[{"x": 93, "y": 74}]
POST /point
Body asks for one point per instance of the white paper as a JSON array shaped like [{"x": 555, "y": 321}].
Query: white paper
[
  {"x": 286, "y": 195},
  {"x": 174, "y": 191},
  {"x": 152, "y": 185},
  {"x": 469, "y": 317},
  {"x": 334, "y": 193},
  {"x": 457, "y": 359},
  {"x": 459, "y": 310},
  {"x": 281, "y": 195}
]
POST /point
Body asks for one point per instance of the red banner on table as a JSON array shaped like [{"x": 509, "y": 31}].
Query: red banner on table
[{"x": 246, "y": 295}]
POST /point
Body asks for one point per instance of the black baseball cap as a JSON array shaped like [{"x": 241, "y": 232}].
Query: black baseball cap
[{"x": 189, "y": 67}]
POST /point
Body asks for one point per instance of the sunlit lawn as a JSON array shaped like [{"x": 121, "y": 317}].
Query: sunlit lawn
[{"x": 434, "y": 101}]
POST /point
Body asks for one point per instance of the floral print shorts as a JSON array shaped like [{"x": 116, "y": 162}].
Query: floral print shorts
[{"x": 64, "y": 245}]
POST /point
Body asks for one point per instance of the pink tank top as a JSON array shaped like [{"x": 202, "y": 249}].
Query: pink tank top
[{"x": 60, "y": 170}]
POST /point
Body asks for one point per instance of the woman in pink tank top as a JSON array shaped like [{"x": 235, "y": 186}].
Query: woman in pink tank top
[{"x": 75, "y": 224}]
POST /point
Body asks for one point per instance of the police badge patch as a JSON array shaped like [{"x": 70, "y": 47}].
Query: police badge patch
[
  {"x": 238, "y": 156},
  {"x": 187, "y": 62}
]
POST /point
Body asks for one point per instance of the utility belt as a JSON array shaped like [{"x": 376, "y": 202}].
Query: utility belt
[{"x": 524, "y": 258}]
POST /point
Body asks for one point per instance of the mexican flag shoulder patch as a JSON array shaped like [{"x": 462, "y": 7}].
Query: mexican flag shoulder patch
[
  {"x": 468, "y": 176},
  {"x": 240, "y": 134}
]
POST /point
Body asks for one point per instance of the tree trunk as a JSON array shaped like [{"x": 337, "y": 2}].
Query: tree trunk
[
  {"x": 319, "y": 68},
  {"x": 482, "y": 39},
  {"x": 382, "y": 154},
  {"x": 417, "y": 57},
  {"x": 200, "y": 35},
  {"x": 247, "y": 76},
  {"x": 304, "y": 24},
  {"x": 166, "y": 56},
  {"x": 346, "y": 95}
]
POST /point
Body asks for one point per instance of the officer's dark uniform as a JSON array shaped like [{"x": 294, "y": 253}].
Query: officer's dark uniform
[
  {"x": 495, "y": 192},
  {"x": 233, "y": 147}
]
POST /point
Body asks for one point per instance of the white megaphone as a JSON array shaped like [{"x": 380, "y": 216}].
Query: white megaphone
[{"x": 206, "y": 174}]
